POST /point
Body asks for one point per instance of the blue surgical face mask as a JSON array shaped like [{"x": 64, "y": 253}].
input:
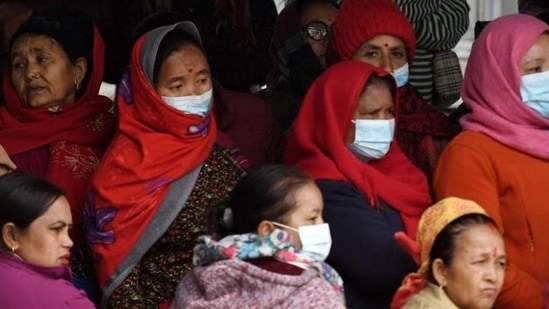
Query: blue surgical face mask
[
  {"x": 192, "y": 104},
  {"x": 534, "y": 90},
  {"x": 372, "y": 138},
  {"x": 401, "y": 75}
]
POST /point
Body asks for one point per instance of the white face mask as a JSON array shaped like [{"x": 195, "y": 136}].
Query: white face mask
[
  {"x": 192, "y": 104},
  {"x": 372, "y": 138},
  {"x": 401, "y": 75},
  {"x": 316, "y": 240},
  {"x": 534, "y": 90}
]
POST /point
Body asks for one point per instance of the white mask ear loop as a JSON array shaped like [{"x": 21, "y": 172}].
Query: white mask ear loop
[
  {"x": 316, "y": 240},
  {"x": 285, "y": 226}
]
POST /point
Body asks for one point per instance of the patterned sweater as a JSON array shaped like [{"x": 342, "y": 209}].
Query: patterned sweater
[
  {"x": 240, "y": 284},
  {"x": 152, "y": 281}
]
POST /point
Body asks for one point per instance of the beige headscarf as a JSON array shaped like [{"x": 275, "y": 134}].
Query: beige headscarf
[{"x": 432, "y": 222}]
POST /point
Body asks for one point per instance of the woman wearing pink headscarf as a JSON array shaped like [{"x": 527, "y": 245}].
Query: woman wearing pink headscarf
[{"x": 501, "y": 159}]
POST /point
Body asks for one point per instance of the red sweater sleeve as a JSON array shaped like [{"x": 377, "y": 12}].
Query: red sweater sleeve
[{"x": 465, "y": 171}]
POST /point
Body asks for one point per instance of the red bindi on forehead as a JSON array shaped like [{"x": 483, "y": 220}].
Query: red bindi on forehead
[
  {"x": 495, "y": 252},
  {"x": 386, "y": 45},
  {"x": 190, "y": 70}
]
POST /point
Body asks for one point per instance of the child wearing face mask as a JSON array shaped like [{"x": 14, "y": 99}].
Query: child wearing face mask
[{"x": 271, "y": 248}]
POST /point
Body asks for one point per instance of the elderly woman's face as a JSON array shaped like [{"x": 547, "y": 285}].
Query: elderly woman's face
[
  {"x": 475, "y": 276},
  {"x": 185, "y": 72},
  {"x": 318, "y": 15},
  {"x": 536, "y": 59},
  {"x": 42, "y": 73},
  {"x": 46, "y": 241},
  {"x": 383, "y": 51},
  {"x": 375, "y": 103}
]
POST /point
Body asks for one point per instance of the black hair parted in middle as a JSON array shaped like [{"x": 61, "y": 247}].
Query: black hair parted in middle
[{"x": 172, "y": 42}]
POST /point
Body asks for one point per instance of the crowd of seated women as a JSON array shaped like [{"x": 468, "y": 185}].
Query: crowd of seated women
[{"x": 339, "y": 185}]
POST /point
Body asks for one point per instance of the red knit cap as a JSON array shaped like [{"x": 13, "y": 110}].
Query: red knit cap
[{"x": 358, "y": 21}]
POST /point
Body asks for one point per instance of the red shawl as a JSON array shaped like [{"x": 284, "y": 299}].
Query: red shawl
[
  {"x": 75, "y": 137},
  {"x": 317, "y": 144},
  {"x": 154, "y": 146}
]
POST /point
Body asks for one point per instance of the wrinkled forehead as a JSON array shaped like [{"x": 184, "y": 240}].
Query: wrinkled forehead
[{"x": 33, "y": 42}]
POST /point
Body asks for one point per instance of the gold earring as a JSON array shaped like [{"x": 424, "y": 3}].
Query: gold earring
[
  {"x": 77, "y": 83},
  {"x": 13, "y": 250}
]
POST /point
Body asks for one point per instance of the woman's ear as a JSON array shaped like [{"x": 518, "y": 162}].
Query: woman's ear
[
  {"x": 80, "y": 69},
  {"x": 9, "y": 236},
  {"x": 440, "y": 272},
  {"x": 265, "y": 227}
]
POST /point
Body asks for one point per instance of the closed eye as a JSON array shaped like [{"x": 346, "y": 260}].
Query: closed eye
[
  {"x": 58, "y": 229},
  {"x": 534, "y": 70},
  {"x": 502, "y": 262}
]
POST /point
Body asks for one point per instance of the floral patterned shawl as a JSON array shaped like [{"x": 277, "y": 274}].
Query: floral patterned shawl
[{"x": 250, "y": 246}]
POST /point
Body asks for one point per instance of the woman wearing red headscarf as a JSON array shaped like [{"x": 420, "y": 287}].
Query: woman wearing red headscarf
[
  {"x": 378, "y": 33},
  {"x": 343, "y": 136},
  {"x": 167, "y": 166},
  {"x": 55, "y": 124}
]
